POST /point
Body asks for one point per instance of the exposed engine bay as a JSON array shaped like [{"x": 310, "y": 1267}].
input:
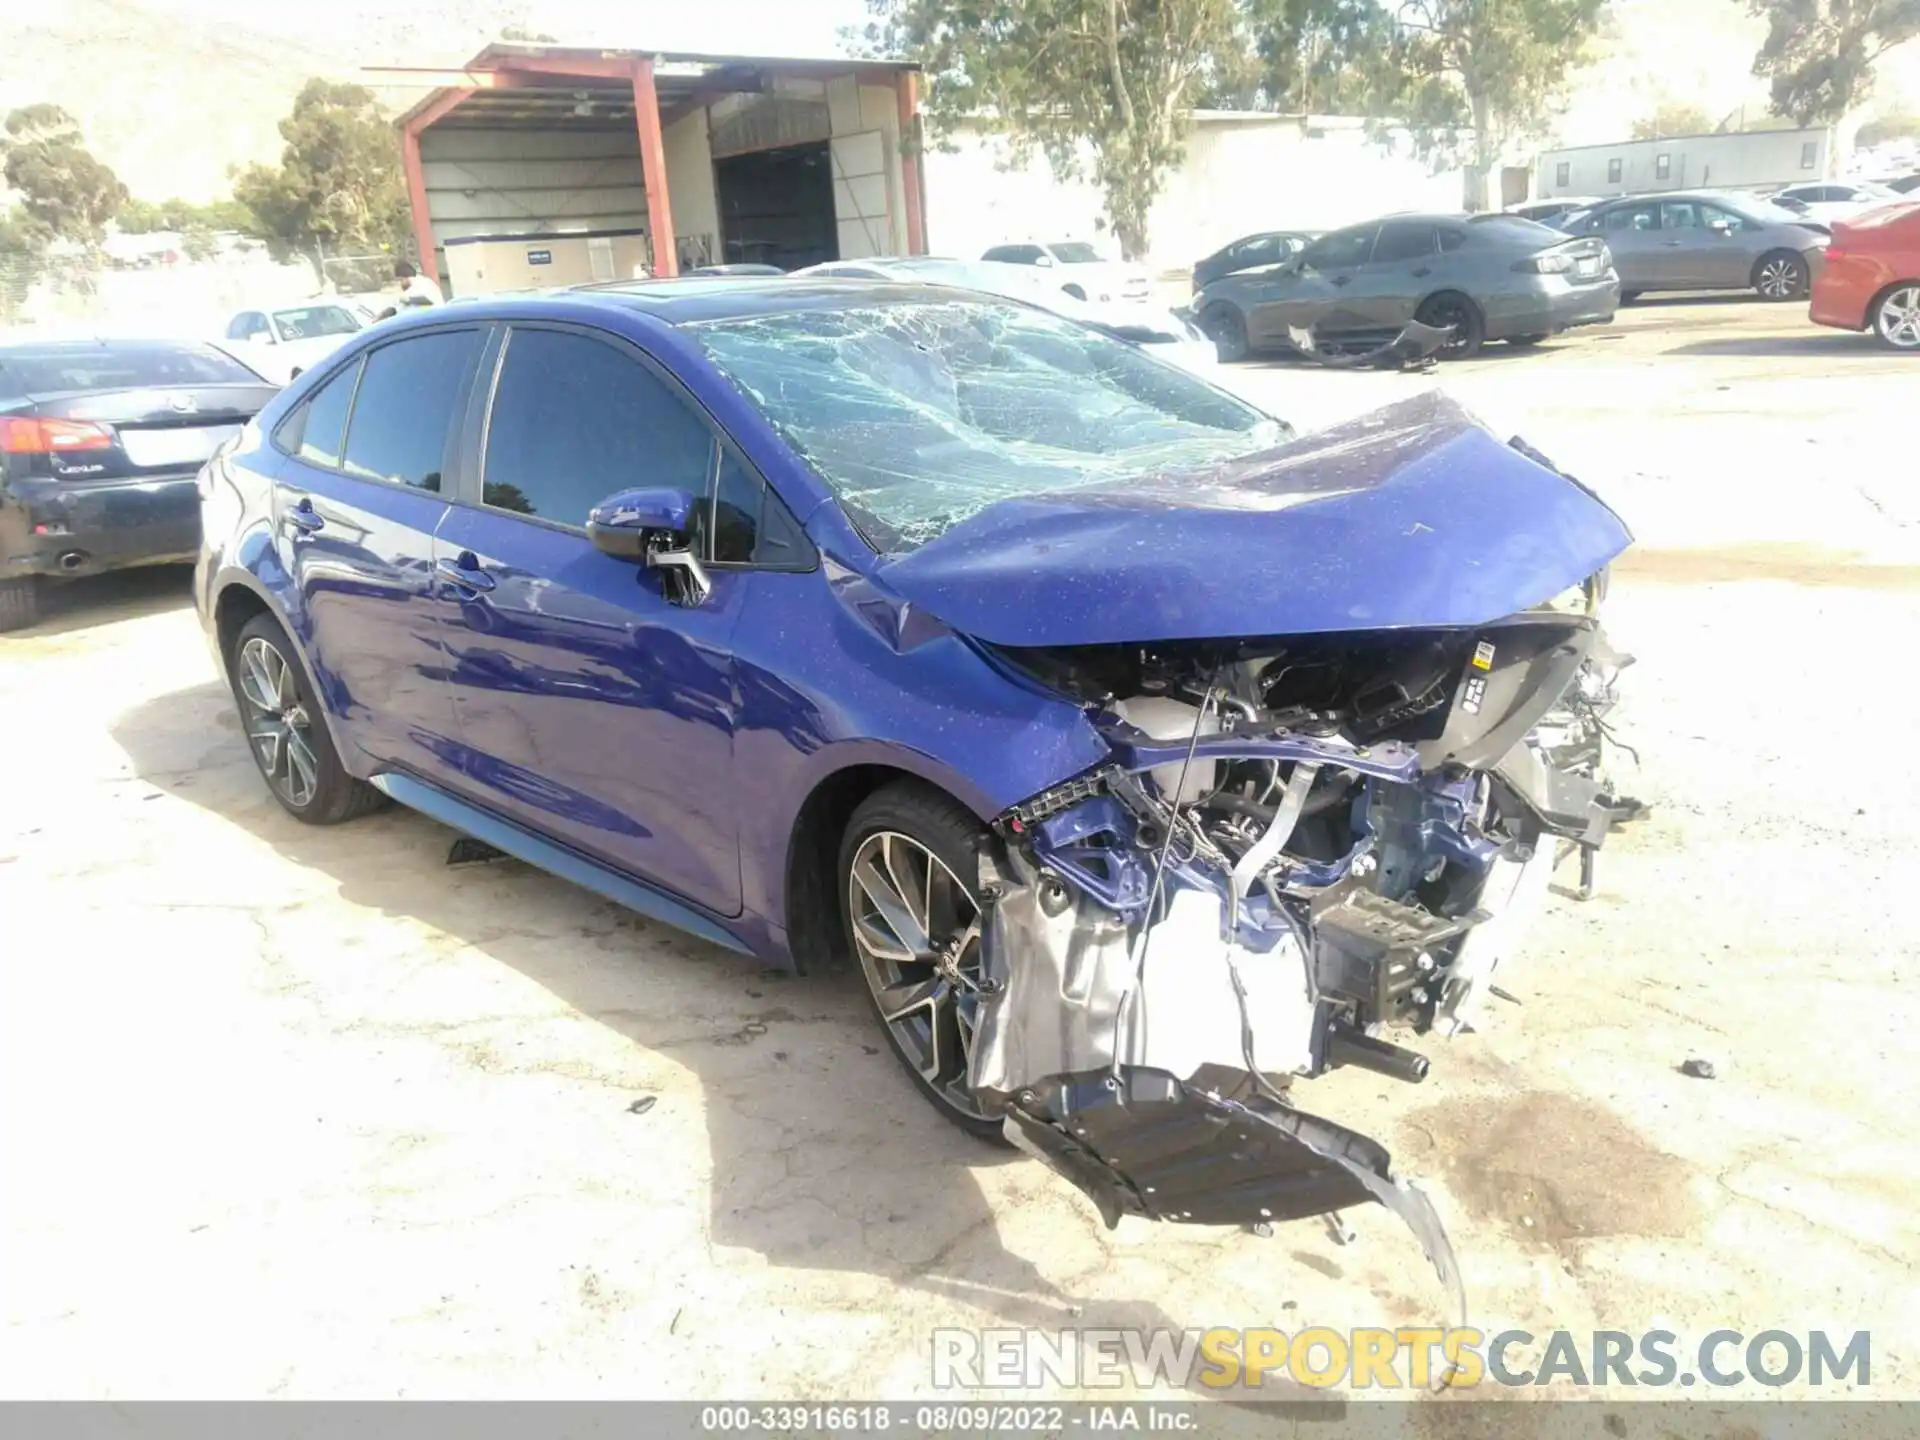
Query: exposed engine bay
[{"x": 1306, "y": 852}]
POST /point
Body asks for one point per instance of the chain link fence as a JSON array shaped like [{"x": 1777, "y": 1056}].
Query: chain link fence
[{"x": 173, "y": 296}]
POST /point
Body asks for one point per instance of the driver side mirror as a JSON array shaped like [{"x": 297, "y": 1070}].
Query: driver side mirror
[
  {"x": 1720, "y": 227},
  {"x": 653, "y": 526},
  {"x": 1043, "y": 258}
]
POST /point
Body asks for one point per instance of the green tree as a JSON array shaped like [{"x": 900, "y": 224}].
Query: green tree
[
  {"x": 1820, "y": 54},
  {"x": 1675, "y": 117},
  {"x": 61, "y": 185},
  {"x": 1303, "y": 57},
  {"x": 23, "y": 259},
  {"x": 1474, "y": 77},
  {"x": 338, "y": 186},
  {"x": 1102, "y": 88}
]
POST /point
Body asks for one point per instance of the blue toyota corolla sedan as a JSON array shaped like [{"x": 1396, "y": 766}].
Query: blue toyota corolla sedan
[{"x": 1146, "y": 759}]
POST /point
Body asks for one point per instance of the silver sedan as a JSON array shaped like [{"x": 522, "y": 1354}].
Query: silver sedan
[{"x": 1706, "y": 240}]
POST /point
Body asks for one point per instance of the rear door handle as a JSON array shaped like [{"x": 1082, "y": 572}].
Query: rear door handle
[
  {"x": 304, "y": 517},
  {"x": 1423, "y": 272},
  {"x": 464, "y": 571},
  {"x": 1675, "y": 244},
  {"x": 1339, "y": 279}
]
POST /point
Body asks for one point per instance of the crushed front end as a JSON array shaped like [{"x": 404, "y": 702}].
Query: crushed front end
[{"x": 1305, "y": 853}]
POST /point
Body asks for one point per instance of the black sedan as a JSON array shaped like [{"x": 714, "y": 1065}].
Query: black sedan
[
  {"x": 1249, "y": 252},
  {"x": 100, "y": 444}
]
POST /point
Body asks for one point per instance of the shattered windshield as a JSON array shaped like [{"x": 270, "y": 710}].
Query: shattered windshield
[{"x": 921, "y": 413}]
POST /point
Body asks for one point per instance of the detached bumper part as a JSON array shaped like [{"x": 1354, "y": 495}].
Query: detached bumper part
[
  {"x": 1144, "y": 1143},
  {"x": 1074, "y": 1052}
]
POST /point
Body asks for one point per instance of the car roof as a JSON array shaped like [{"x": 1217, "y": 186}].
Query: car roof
[
  {"x": 694, "y": 301},
  {"x": 76, "y": 344}
]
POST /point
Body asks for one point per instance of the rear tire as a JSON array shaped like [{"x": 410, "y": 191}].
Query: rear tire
[
  {"x": 286, "y": 732},
  {"x": 1894, "y": 318},
  {"x": 1781, "y": 275},
  {"x": 1227, "y": 328},
  {"x": 1451, "y": 308},
  {"x": 909, "y": 845},
  {"x": 19, "y": 602}
]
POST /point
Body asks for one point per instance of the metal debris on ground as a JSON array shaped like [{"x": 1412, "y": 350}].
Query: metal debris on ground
[
  {"x": 643, "y": 1104},
  {"x": 1697, "y": 1069},
  {"x": 468, "y": 851}
]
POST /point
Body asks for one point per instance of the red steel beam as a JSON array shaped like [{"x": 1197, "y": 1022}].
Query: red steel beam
[
  {"x": 906, "y": 85},
  {"x": 417, "y": 199},
  {"x": 653, "y": 168}
]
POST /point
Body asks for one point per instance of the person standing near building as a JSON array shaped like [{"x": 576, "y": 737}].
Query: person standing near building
[{"x": 415, "y": 288}]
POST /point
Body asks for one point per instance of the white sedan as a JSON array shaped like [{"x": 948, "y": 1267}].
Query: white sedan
[
  {"x": 1078, "y": 268},
  {"x": 1160, "y": 331},
  {"x": 281, "y": 341},
  {"x": 1830, "y": 200}
]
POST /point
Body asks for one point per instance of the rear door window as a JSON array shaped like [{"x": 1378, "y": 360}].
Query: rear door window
[
  {"x": 404, "y": 411},
  {"x": 314, "y": 431},
  {"x": 1632, "y": 218},
  {"x": 1402, "y": 240}
]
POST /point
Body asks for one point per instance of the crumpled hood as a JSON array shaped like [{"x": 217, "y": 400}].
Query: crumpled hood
[{"x": 1412, "y": 516}]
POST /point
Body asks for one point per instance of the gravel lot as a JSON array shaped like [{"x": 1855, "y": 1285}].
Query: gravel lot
[{"x": 287, "y": 1112}]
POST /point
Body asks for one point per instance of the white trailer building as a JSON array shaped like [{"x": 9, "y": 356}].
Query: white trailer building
[{"x": 1747, "y": 160}]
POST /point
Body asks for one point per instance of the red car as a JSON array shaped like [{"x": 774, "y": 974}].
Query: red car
[{"x": 1872, "y": 276}]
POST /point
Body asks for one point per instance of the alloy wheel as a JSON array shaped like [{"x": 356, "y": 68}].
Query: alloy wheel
[
  {"x": 1452, "y": 313},
  {"x": 917, "y": 933},
  {"x": 1898, "y": 318},
  {"x": 1780, "y": 278},
  {"x": 278, "y": 725}
]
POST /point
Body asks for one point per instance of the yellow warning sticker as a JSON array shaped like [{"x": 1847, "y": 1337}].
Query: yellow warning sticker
[{"x": 1483, "y": 655}]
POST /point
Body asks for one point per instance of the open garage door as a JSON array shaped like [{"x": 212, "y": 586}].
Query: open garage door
[{"x": 777, "y": 206}]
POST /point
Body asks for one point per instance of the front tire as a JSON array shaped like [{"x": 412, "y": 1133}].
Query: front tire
[
  {"x": 1450, "y": 308},
  {"x": 285, "y": 732},
  {"x": 913, "y": 924},
  {"x": 19, "y": 602},
  {"x": 1895, "y": 318},
  {"x": 1781, "y": 275}
]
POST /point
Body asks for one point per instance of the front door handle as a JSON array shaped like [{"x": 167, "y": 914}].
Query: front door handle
[
  {"x": 1675, "y": 244},
  {"x": 1423, "y": 272},
  {"x": 1339, "y": 279},
  {"x": 464, "y": 571},
  {"x": 304, "y": 517}
]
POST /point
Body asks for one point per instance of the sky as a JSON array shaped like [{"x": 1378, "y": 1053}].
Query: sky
[{"x": 804, "y": 28}]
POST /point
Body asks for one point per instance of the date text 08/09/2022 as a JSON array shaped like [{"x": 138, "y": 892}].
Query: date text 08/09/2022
[{"x": 945, "y": 1418}]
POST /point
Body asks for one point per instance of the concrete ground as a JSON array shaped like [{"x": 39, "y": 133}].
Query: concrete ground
[{"x": 297, "y": 1112}]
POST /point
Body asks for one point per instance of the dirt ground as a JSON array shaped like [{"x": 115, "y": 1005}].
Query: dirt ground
[{"x": 295, "y": 1112}]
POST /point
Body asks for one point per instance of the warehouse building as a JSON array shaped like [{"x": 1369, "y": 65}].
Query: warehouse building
[{"x": 544, "y": 164}]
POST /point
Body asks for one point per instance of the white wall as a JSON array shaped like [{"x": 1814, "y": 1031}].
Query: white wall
[
  {"x": 1242, "y": 173},
  {"x": 690, "y": 187},
  {"x": 868, "y": 185},
  {"x": 491, "y": 182}
]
